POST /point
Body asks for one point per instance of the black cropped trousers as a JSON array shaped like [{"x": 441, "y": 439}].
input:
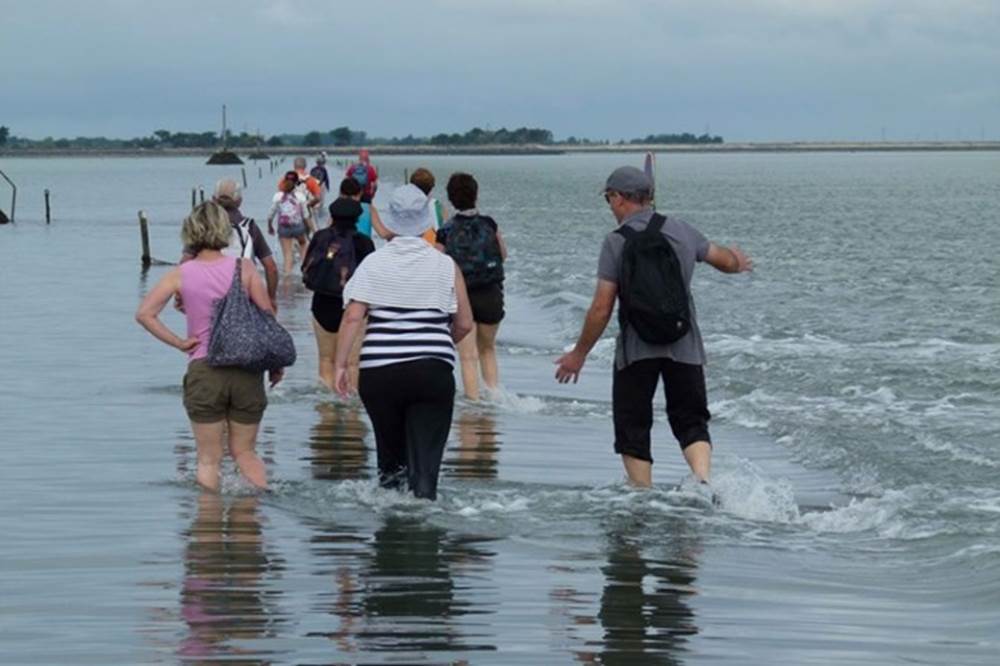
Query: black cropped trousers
[{"x": 410, "y": 405}]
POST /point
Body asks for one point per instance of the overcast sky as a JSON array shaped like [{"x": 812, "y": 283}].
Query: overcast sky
[{"x": 744, "y": 69}]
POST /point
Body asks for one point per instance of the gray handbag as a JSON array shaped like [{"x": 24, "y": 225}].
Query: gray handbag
[{"x": 245, "y": 336}]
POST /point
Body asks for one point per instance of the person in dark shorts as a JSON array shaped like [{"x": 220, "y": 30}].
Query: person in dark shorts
[
  {"x": 475, "y": 243},
  {"x": 328, "y": 304},
  {"x": 639, "y": 365}
]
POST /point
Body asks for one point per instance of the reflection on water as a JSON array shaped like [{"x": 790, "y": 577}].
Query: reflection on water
[
  {"x": 643, "y": 616},
  {"x": 644, "y": 612},
  {"x": 337, "y": 448},
  {"x": 227, "y": 567},
  {"x": 475, "y": 456},
  {"x": 399, "y": 593}
]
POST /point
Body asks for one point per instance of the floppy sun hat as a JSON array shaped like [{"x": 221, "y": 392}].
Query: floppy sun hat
[{"x": 409, "y": 212}]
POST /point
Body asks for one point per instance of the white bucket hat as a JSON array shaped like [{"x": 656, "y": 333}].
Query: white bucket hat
[{"x": 409, "y": 212}]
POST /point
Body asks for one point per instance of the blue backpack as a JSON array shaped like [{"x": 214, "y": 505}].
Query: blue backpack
[{"x": 360, "y": 173}]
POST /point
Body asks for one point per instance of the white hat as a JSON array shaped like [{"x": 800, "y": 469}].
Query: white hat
[{"x": 409, "y": 212}]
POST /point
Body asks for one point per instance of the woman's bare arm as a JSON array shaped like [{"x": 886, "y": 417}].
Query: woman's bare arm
[
  {"x": 148, "y": 314},
  {"x": 462, "y": 324}
]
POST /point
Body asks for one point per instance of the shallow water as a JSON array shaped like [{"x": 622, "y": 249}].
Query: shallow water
[{"x": 852, "y": 378}]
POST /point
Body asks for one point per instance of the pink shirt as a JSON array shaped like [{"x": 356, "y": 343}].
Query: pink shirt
[{"x": 202, "y": 284}]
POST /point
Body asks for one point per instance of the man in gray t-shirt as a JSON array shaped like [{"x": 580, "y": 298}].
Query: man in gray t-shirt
[{"x": 639, "y": 365}]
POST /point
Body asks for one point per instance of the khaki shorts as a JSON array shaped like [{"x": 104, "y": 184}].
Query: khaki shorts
[{"x": 218, "y": 394}]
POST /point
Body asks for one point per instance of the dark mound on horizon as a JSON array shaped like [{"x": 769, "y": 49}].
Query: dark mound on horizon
[{"x": 224, "y": 157}]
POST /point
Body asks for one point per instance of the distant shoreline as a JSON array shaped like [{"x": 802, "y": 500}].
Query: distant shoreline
[{"x": 500, "y": 150}]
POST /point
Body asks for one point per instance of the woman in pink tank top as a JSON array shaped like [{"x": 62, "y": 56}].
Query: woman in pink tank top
[{"x": 217, "y": 400}]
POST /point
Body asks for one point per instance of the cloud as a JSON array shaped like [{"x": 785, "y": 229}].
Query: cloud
[{"x": 750, "y": 69}]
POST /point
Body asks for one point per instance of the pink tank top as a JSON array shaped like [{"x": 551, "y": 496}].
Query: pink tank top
[{"x": 202, "y": 284}]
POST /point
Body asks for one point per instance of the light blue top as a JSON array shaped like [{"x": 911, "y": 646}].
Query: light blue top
[{"x": 365, "y": 221}]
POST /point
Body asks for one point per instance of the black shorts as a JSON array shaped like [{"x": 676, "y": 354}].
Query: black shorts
[
  {"x": 487, "y": 303},
  {"x": 633, "y": 390},
  {"x": 328, "y": 311}
]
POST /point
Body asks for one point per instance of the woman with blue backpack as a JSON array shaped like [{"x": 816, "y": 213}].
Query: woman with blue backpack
[
  {"x": 330, "y": 260},
  {"x": 475, "y": 243}
]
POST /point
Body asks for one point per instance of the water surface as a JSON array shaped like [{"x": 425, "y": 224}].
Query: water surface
[{"x": 852, "y": 378}]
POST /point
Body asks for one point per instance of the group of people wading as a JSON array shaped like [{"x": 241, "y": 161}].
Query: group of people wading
[{"x": 389, "y": 321}]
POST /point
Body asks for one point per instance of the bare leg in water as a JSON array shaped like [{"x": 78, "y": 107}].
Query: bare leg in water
[
  {"x": 242, "y": 446},
  {"x": 326, "y": 345},
  {"x": 287, "y": 255},
  {"x": 208, "y": 437},
  {"x": 486, "y": 346},
  {"x": 698, "y": 456},
  {"x": 468, "y": 355}
]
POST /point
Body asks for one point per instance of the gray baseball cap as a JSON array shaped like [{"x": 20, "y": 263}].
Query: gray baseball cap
[{"x": 628, "y": 180}]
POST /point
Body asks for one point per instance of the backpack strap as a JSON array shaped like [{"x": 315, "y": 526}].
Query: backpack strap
[
  {"x": 243, "y": 231},
  {"x": 626, "y": 232},
  {"x": 656, "y": 223}
]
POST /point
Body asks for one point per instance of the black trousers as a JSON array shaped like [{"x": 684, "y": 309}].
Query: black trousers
[
  {"x": 632, "y": 393},
  {"x": 410, "y": 405}
]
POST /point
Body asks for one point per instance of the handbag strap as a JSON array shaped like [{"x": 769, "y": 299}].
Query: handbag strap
[{"x": 238, "y": 274}]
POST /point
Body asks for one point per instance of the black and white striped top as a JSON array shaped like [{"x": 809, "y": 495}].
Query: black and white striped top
[{"x": 397, "y": 335}]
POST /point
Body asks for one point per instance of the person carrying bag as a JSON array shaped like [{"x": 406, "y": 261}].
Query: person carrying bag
[{"x": 232, "y": 338}]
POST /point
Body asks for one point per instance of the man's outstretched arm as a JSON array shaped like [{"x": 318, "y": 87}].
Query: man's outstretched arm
[
  {"x": 598, "y": 315},
  {"x": 728, "y": 259}
]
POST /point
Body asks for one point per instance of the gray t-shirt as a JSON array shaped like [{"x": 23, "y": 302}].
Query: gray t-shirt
[{"x": 691, "y": 246}]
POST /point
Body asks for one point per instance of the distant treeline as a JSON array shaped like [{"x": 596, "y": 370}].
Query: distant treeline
[{"x": 338, "y": 137}]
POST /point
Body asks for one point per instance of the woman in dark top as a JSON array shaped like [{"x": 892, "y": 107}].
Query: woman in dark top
[
  {"x": 476, "y": 245},
  {"x": 330, "y": 260}
]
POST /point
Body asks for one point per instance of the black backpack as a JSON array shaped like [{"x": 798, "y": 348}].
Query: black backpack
[
  {"x": 472, "y": 243},
  {"x": 330, "y": 262},
  {"x": 653, "y": 296}
]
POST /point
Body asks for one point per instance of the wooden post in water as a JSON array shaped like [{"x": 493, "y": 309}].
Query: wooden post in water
[
  {"x": 194, "y": 198},
  {"x": 144, "y": 231},
  {"x": 13, "y": 195},
  {"x": 201, "y": 194},
  {"x": 48, "y": 211},
  {"x": 406, "y": 176},
  {"x": 260, "y": 172},
  {"x": 244, "y": 171}
]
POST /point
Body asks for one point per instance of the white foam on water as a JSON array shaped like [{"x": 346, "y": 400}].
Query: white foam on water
[
  {"x": 757, "y": 345},
  {"x": 874, "y": 513},
  {"x": 954, "y": 451},
  {"x": 509, "y": 401},
  {"x": 745, "y": 492},
  {"x": 747, "y": 411}
]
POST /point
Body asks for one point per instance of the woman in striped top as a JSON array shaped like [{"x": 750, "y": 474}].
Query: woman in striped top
[{"x": 417, "y": 308}]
